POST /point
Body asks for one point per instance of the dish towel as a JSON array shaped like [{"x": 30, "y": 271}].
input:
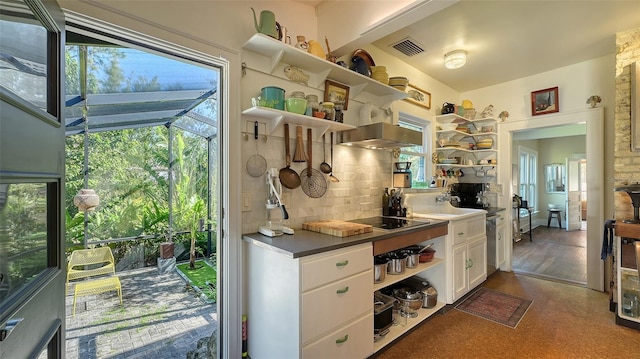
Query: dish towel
[{"x": 607, "y": 239}]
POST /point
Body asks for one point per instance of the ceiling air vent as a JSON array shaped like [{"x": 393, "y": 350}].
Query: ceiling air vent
[{"x": 408, "y": 46}]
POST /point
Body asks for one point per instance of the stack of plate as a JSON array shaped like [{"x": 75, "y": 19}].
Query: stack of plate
[
  {"x": 379, "y": 73},
  {"x": 448, "y": 161},
  {"x": 485, "y": 144},
  {"x": 451, "y": 144},
  {"x": 399, "y": 83}
]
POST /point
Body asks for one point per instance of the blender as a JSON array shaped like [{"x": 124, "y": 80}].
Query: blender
[{"x": 274, "y": 201}]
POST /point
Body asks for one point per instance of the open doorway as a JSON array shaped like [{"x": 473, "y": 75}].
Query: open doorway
[
  {"x": 593, "y": 120},
  {"x": 551, "y": 188},
  {"x": 143, "y": 129}
]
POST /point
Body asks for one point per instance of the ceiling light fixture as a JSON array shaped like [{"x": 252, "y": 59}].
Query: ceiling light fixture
[{"x": 455, "y": 59}]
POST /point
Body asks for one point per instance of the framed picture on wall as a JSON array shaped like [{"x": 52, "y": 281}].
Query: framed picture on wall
[
  {"x": 418, "y": 96},
  {"x": 544, "y": 101},
  {"x": 336, "y": 93}
]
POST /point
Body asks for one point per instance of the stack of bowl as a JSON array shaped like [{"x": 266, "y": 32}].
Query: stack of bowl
[
  {"x": 484, "y": 144},
  {"x": 399, "y": 82},
  {"x": 379, "y": 73}
]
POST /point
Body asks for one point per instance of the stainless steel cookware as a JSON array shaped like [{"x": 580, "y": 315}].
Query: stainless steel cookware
[
  {"x": 397, "y": 262},
  {"x": 380, "y": 264}
]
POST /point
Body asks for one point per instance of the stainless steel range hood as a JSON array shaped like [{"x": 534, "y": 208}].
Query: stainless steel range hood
[{"x": 381, "y": 135}]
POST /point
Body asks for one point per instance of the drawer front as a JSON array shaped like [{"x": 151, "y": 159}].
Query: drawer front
[
  {"x": 335, "y": 265},
  {"x": 459, "y": 232},
  {"x": 336, "y": 303},
  {"x": 350, "y": 342},
  {"x": 476, "y": 226}
]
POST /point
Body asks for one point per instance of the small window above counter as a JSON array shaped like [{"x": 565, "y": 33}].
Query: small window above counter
[{"x": 281, "y": 53}]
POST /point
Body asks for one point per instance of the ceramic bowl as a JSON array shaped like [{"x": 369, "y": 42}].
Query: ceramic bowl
[
  {"x": 448, "y": 126},
  {"x": 296, "y": 105}
]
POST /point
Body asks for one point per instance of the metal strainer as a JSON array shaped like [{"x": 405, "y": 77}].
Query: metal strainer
[
  {"x": 256, "y": 164},
  {"x": 313, "y": 182}
]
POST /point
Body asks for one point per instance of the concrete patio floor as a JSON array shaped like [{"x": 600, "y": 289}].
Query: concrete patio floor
[{"x": 159, "y": 318}]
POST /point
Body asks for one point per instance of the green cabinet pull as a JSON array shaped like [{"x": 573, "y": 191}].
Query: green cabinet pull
[
  {"x": 461, "y": 233},
  {"x": 343, "y": 339},
  {"x": 342, "y": 264},
  {"x": 342, "y": 291},
  {"x": 470, "y": 262}
]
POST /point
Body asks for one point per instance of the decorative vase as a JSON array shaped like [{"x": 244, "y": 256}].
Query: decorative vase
[{"x": 86, "y": 200}]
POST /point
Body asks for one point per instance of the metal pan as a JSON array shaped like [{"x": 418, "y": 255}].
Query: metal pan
[{"x": 288, "y": 177}]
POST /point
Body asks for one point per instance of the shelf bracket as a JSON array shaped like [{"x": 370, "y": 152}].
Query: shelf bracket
[
  {"x": 275, "y": 123},
  {"x": 355, "y": 90},
  {"x": 275, "y": 60},
  {"x": 321, "y": 77}
]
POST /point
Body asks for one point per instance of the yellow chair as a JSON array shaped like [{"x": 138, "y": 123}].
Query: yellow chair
[{"x": 98, "y": 266}]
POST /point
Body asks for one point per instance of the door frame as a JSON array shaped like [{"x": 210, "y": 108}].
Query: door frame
[
  {"x": 34, "y": 138},
  {"x": 594, "y": 119},
  {"x": 229, "y": 246}
]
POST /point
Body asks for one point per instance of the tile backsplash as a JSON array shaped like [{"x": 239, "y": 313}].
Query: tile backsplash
[{"x": 363, "y": 175}]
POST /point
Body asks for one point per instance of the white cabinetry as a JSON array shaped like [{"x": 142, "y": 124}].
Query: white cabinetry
[
  {"x": 453, "y": 143},
  {"x": 500, "y": 240},
  {"x": 468, "y": 242},
  {"x": 314, "y": 306}
]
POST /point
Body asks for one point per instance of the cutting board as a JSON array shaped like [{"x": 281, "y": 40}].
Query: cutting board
[{"x": 337, "y": 228}]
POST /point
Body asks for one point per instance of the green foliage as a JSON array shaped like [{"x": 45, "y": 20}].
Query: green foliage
[
  {"x": 202, "y": 276},
  {"x": 129, "y": 169}
]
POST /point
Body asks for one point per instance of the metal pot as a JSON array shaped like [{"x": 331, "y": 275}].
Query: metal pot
[
  {"x": 380, "y": 269},
  {"x": 412, "y": 259},
  {"x": 409, "y": 302},
  {"x": 429, "y": 297},
  {"x": 397, "y": 263}
]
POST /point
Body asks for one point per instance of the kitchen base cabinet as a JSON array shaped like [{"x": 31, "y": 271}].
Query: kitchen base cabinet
[
  {"x": 351, "y": 341},
  {"x": 295, "y": 303},
  {"x": 500, "y": 242},
  {"x": 469, "y": 266},
  {"x": 435, "y": 273}
]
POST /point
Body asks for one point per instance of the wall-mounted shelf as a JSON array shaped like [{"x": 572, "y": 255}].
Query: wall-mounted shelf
[
  {"x": 453, "y": 118},
  {"x": 447, "y": 151},
  {"x": 276, "y": 118},
  {"x": 281, "y": 53},
  {"x": 455, "y": 135}
]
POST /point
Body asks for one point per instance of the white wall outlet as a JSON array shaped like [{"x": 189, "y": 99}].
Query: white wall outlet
[{"x": 246, "y": 201}]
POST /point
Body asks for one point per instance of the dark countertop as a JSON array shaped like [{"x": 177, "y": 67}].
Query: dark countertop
[{"x": 305, "y": 243}]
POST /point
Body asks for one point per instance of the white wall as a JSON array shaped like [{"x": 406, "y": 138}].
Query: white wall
[{"x": 575, "y": 84}]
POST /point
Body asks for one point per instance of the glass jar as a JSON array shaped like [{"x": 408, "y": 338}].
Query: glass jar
[
  {"x": 297, "y": 94},
  {"x": 312, "y": 105},
  {"x": 329, "y": 110}
]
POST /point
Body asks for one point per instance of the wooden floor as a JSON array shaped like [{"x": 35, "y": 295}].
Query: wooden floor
[
  {"x": 554, "y": 254},
  {"x": 565, "y": 321}
]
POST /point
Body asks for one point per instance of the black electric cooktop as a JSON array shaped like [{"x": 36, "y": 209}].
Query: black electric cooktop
[{"x": 389, "y": 222}]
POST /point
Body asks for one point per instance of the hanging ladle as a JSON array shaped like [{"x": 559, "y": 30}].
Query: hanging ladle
[{"x": 324, "y": 166}]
